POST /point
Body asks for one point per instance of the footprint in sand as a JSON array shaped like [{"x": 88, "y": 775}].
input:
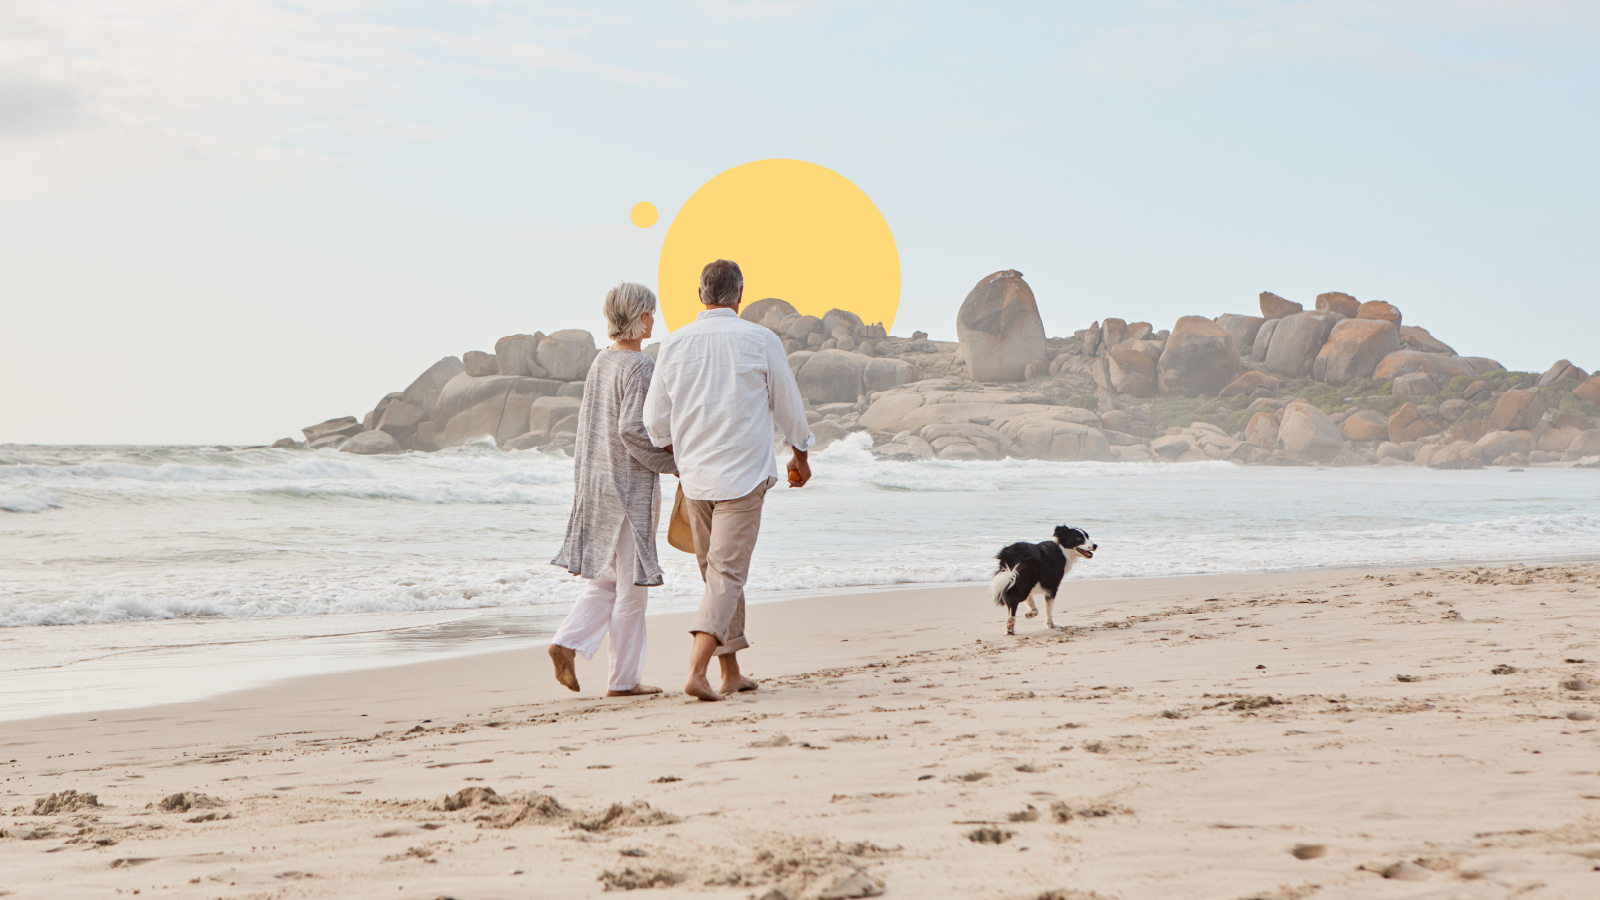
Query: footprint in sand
[{"x": 1309, "y": 851}]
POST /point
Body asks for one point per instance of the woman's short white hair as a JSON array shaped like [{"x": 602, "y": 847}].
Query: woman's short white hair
[{"x": 626, "y": 306}]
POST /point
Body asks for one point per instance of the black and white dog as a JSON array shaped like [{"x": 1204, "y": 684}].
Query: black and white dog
[{"x": 1029, "y": 569}]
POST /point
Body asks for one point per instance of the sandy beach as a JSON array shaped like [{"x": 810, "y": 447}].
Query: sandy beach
[{"x": 1335, "y": 734}]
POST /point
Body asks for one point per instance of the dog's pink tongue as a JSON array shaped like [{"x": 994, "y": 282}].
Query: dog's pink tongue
[{"x": 1087, "y": 554}]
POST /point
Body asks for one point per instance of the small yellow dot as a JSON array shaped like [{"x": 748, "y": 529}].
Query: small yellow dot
[{"x": 644, "y": 214}]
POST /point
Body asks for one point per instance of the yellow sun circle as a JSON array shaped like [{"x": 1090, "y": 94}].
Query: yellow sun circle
[
  {"x": 798, "y": 231},
  {"x": 643, "y": 214}
]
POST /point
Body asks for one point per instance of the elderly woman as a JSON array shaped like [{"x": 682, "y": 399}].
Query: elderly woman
[{"x": 611, "y": 533}]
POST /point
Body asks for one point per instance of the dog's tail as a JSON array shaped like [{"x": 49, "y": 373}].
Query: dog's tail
[{"x": 1002, "y": 582}]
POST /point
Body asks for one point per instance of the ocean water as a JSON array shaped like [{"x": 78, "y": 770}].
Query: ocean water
[{"x": 124, "y": 570}]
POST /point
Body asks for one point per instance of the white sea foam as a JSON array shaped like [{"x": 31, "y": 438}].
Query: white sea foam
[{"x": 110, "y": 535}]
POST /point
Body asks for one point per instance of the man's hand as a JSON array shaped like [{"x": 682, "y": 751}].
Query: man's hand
[{"x": 799, "y": 469}]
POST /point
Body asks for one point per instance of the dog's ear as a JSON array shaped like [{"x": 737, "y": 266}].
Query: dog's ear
[{"x": 1070, "y": 537}]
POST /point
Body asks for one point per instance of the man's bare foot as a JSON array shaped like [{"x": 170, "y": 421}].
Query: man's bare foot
[
  {"x": 565, "y": 673},
  {"x": 738, "y": 684},
  {"x": 637, "y": 691},
  {"x": 700, "y": 689}
]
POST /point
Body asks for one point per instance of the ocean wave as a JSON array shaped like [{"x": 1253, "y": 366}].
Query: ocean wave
[
  {"x": 302, "y": 470},
  {"x": 28, "y": 501}
]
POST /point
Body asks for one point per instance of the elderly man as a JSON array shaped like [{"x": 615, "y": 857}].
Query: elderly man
[{"x": 720, "y": 385}]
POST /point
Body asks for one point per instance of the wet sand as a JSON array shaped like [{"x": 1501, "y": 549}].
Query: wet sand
[{"x": 1341, "y": 734}]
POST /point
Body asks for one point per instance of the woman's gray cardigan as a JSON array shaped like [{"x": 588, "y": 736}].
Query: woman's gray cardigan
[{"x": 616, "y": 470}]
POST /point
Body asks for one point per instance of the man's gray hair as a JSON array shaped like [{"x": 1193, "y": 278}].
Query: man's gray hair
[
  {"x": 626, "y": 306},
  {"x": 720, "y": 283}
]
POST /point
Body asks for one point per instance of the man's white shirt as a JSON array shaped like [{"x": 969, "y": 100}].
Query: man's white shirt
[{"x": 721, "y": 384}]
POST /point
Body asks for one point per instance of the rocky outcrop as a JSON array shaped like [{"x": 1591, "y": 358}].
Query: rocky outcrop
[
  {"x": 1589, "y": 391},
  {"x": 999, "y": 328},
  {"x": 1262, "y": 430},
  {"x": 1275, "y": 307},
  {"x": 1417, "y": 385},
  {"x": 1258, "y": 350},
  {"x": 1296, "y": 342},
  {"x": 1339, "y": 302},
  {"x": 1200, "y": 358},
  {"x": 424, "y": 392},
  {"x": 1353, "y": 350},
  {"x": 1563, "y": 370},
  {"x": 885, "y": 374},
  {"x": 1307, "y": 434},
  {"x": 1365, "y": 425}
]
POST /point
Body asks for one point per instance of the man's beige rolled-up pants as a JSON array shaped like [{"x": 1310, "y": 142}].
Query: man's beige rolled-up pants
[{"x": 724, "y": 538}]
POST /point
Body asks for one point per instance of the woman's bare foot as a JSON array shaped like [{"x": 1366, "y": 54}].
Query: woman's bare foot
[
  {"x": 737, "y": 684},
  {"x": 636, "y": 691},
  {"x": 700, "y": 689},
  {"x": 565, "y": 672}
]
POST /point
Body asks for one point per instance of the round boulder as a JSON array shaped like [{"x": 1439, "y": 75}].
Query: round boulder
[
  {"x": 1589, "y": 390},
  {"x": 833, "y": 376},
  {"x": 369, "y": 443},
  {"x": 1297, "y": 340},
  {"x": 1307, "y": 434},
  {"x": 1258, "y": 350},
  {"x": 1416, "y": 385},
  {"x": 1366, "y": 425},
  {"x": 566, "y": 355},
  {"x": 758, "y": 311},
  {"x": 1242, "y": 329},
  {"x": 1377, "y": 309},
  {"x": 1353, "y": 350},
  {"x": 884, "y": 373},
  {"x": 1339, "y": 302},
  {"x": 999, "y": 328},
  {"x": 1249, "y": 383},
  {"x": 1131, "y": 371},
  {"x": 1200, "y": 358},
  {"x": 1262, "y": 430},
  {"x": 1518, "y": 410},
  {"x": 1441, "y": 367}
]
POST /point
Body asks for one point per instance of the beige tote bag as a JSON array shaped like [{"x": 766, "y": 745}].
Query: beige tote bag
[{"x": 679, "y": 537}]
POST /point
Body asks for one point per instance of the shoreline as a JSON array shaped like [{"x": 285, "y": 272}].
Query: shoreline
[
  {"x": 1175, "y": 723},
  {"x": 516, "y": 629}
]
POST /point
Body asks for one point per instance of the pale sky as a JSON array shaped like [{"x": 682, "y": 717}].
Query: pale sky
[{"x": 223, "y": 220}]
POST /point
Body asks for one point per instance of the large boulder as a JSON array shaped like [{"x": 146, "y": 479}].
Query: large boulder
[
  {"x": 884, "y": 373},
  {"x": 1248, "y": 384},
  {"x": 1297, "y": 340},
  {"x": 1258, "y": 350},
  {"x": 797, "y": 360},
  {"x": 1242, "y": 329},
  {"x": 1377, "y": 309},
  {"x": 1366, "y": 425},
  {"x": 1113, "y": 331},
  {"x": 1413, "y": 337},
  {"x": 1200, "y": 358},
  {"x": 424, "y": 392},
  {"x": 833, "y": 318},
  {"x": 545, "y": 412},
  {"x": 1275, "y": 307},
  {"x": 1440, "y": 367},
  {"x": 833, "y": 376},
  {"x": 1563, "y": 370},
  {"x": 1496, "y": 444},
  {"x": 371, "y": 419},
  {"x": 400, "y": 421},
  {"x": 344, "y": 426},
  {"x": 1417, "y": 386},
  {"x": 517, "y": 354},
  {"x": 1410, "y": 423},
  {"x": 1064, "y": 441},
  {"x": 470, "y": 409},
  {"x": 1091, "y": 340},
  {"x": 999, "y": 328},
  {"x": 1131, "y": 371},
  {"x": 479, "y": 364},
  {"x": 801, "y": 327},
  {"x": 758, "y": 311},
  {"x": 1587, "y": 443},
  {"x": 1518, "y": 410},
  {"x": 1339, "y": 302},
  {"x": 369, "y": 443},
  {"x": 1353, "y": 350},
  {"x": 1262, "y": 430},
  {"x": 1470, "y": 429},
  {"x": 1589, "y": 390},
  {"x": 1307, "y": 434},
  {"x": 566, "y": 354}
]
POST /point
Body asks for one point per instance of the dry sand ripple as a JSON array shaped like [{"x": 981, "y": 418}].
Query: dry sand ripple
[{"x": 1225, "y": 737}]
